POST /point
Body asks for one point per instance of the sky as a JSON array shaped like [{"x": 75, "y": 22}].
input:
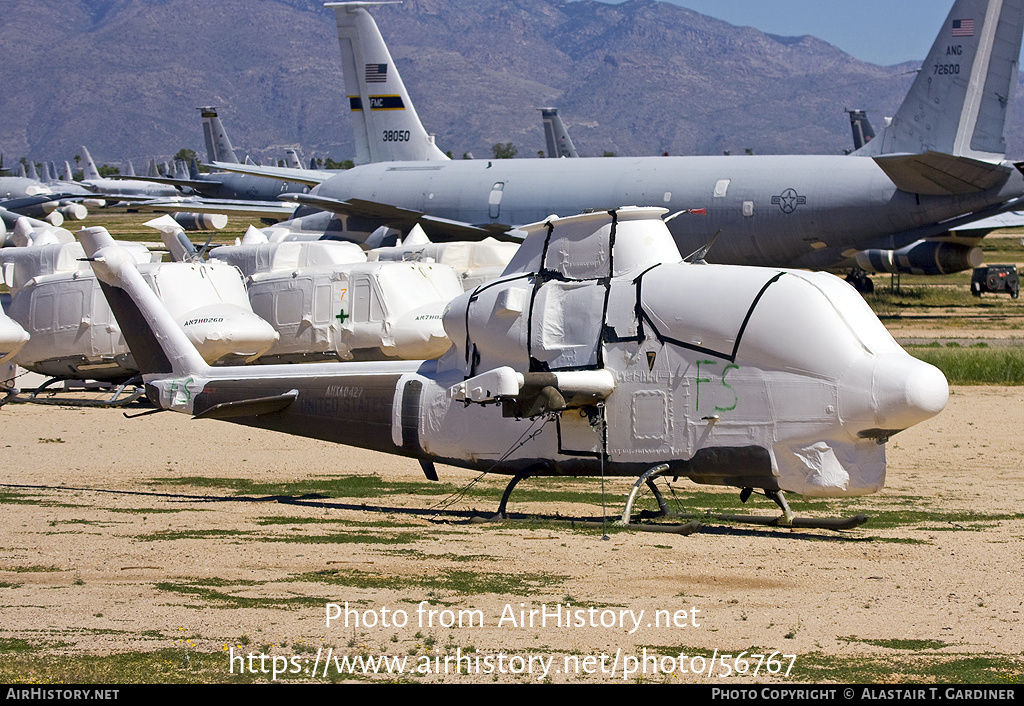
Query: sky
[{"x": 879, "y": 31}]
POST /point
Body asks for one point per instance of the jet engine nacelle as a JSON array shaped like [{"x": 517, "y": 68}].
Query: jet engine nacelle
[
  {"x": 200, "y": 221},
  {"x": 73, "y": 211},
  {"x": 924, "y": 257}
]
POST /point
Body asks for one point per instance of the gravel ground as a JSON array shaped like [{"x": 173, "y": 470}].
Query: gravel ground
[{"x": 109, "y": 547}]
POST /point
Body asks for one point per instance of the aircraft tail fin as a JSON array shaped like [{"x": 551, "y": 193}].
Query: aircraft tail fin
[
  {"x": 863, "y": 132},
  {"x": 157, "y": 343},
  {"x": 292, "y": 159},
  {"x": 557, "y": 137},
  {"x": 960, "y": 100},
  {"x": 386, "y": 125},
  {"x": 218, "y": 146},
  {"x": 89, "y": 170}
]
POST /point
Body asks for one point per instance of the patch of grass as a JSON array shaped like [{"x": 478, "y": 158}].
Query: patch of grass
[
  {"x": 994, "y": 669},
  {"x": 13, "y": 644},
  {"x": 900, "y": 644},
  {"x": 1001, "y": 365},
  {"x": 999, "y": 250},
  {"x": 271, "y": 521},
  {"x": 373, "y": 486},
  {"x": 172, "y": 535},
  {"x": 453, "y": 580},
  {"x": 8, "y": 498},
  {"x": 882, "y": 300},
  {"x": 165, "y": 666},
  {"x": 335, "y": 487},
  {"x": 33, "y": 569},
  {"x": 937, "y": 519},
  {"x": 207, "y": 590},
  {"x": 349, "y": 538}
]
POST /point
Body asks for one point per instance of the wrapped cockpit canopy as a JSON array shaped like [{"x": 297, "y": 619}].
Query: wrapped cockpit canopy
[
  {"x": 284, "y": 256},
  {"x": 597, "y": 245},
  {"x": 21, "y": 265}
]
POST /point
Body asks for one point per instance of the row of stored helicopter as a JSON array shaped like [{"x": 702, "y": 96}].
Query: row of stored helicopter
[{"x": 580, "y": 345}]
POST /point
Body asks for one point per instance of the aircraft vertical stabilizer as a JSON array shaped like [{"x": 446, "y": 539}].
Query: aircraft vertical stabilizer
[
  {"x": 959, "y": 101},
  {"x": 218, "y": 146},
  {"x": 386, "y": 125},
  {"x": 89, "y": 171},
  {"x": 863, "y": 132},
  {"x": 557, "y": 137}
]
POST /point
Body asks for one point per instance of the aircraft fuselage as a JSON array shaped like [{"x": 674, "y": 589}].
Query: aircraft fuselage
[
  {"x": 802, "y": 211},
  {"x": 246, "y": 187}
]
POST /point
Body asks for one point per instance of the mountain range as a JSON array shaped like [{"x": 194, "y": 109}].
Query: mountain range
[{"x": 124, "y": 77}]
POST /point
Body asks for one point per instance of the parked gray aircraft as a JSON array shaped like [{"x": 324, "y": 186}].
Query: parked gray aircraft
[
  {"x": 940, "y": 163},
  {"x": 53, "y": 201},
  {"x": 225, "y": 192},
  {"x": 110, "y": 189},
  {"x": 555, "y": 135},
  {"x": 218, "y": 146}
]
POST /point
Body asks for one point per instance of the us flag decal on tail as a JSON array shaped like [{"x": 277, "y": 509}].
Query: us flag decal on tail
[
  {"x": 376, "y": 73},
  {"x": 963, "y": 28}
]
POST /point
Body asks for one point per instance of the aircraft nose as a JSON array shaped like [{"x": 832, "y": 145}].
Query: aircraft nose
[
  {"x": 909, "y": 390},
  {"x": 904, "y": 391}
]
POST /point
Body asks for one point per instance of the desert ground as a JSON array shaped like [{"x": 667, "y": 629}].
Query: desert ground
[
  {"x": 159, "y": 548},
  {"x": 186, "y": 543}
]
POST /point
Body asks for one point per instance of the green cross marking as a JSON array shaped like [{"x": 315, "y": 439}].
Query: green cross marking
[{"x": 342, "y": 316}]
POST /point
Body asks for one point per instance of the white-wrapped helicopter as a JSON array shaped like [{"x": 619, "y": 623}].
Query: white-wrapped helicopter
[
  {"x": 597, "y": 352},
  {"x": 330, "y": 300},
  {"x": 56, "y": 298},
  {"x": 327, "y": 302}
]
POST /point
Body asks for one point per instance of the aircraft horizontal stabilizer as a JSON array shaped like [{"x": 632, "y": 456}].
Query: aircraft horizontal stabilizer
[
  {"x": 249, "y": 408},
  {"x": 252, "y": 209},
  {"x": 940, "y": 174}
]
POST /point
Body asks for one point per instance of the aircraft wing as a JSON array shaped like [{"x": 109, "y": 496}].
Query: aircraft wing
[
  {"x": 117, "y": 198},
  {"x": 1012, "y": 219},
  {"x": 936, "y": 173},
  {"x": 310, "y": 177},
  {"x": 176, "y": 182},
  {"x": 253, "y": 209},
  {"x": 437, "y": 229}
]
